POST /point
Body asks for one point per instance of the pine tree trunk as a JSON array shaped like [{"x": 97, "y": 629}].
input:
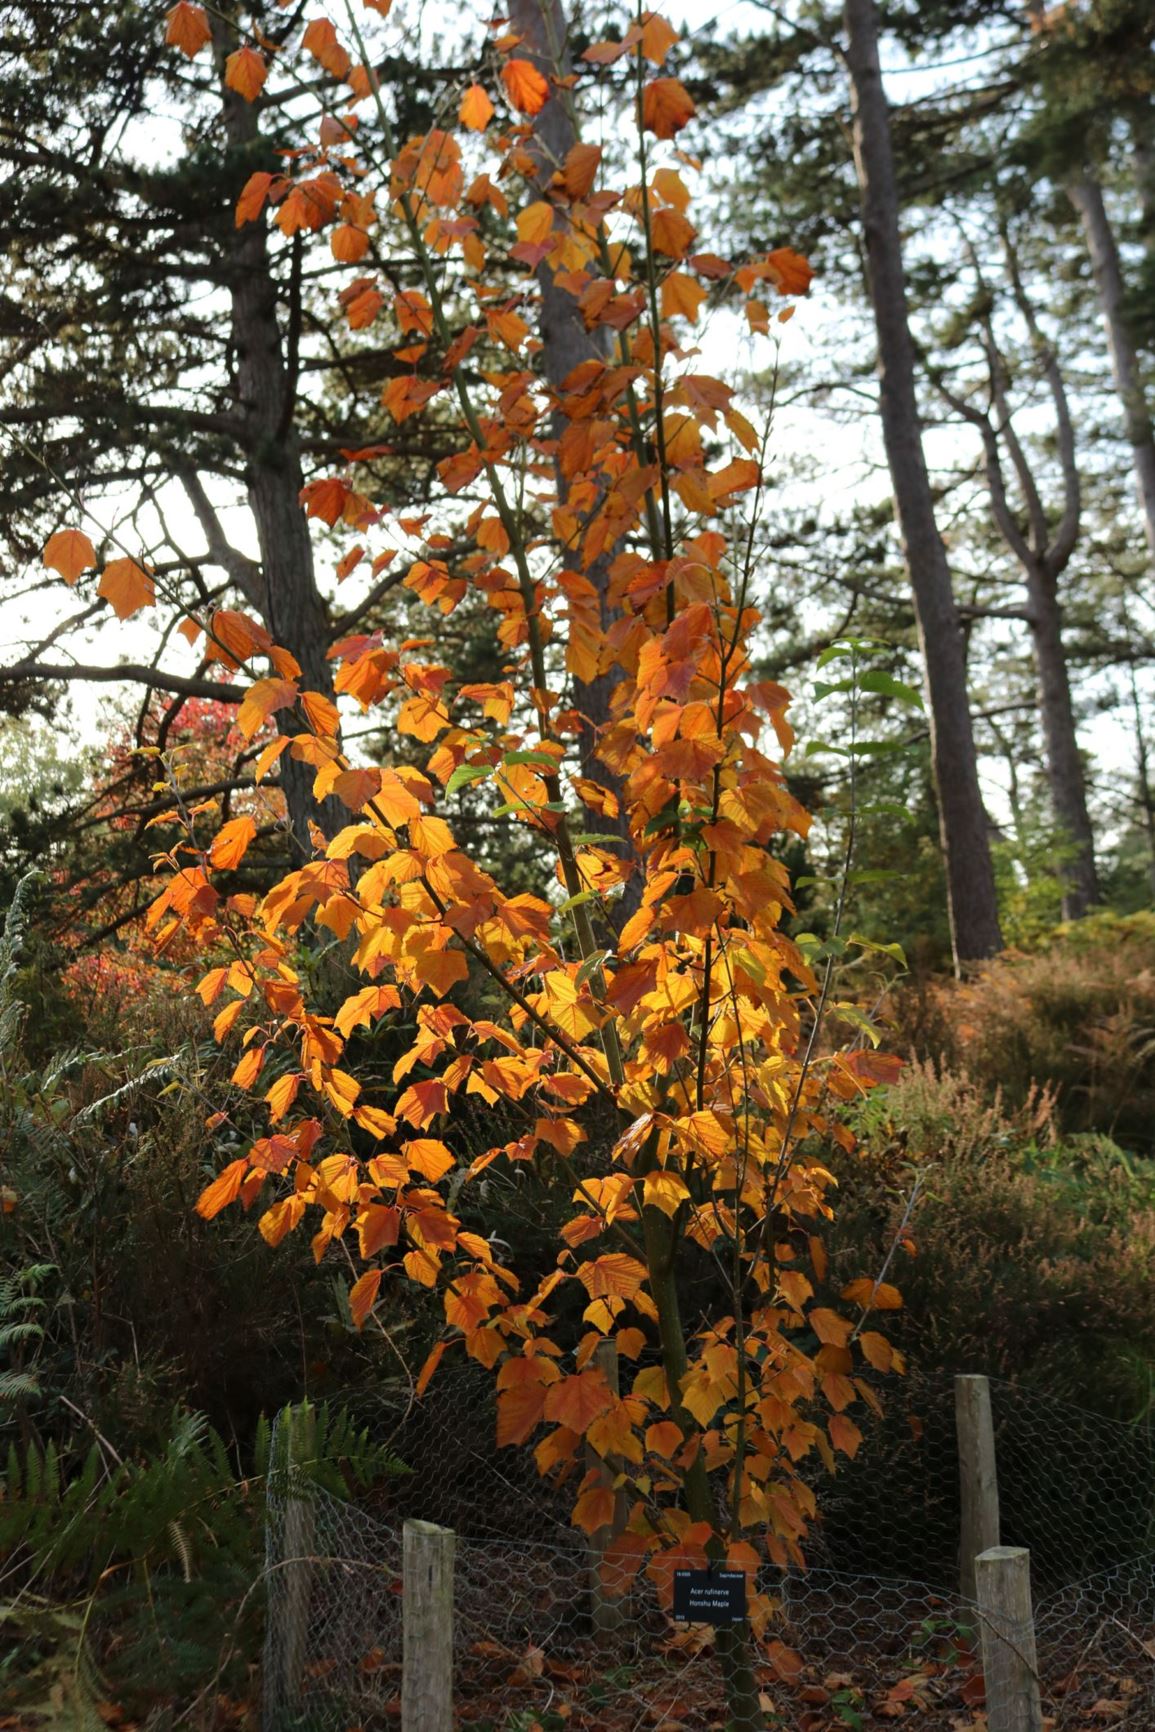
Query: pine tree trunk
[
  {"x": 566, "y": 344},
  {"x": 1086, "y": 195},
  {"x": 1061, "y": 747},
  {"x": 962, "y": 820},
  {"x": 285, "y": 592}
]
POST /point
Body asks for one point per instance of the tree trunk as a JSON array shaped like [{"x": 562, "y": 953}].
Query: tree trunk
[
  {"x": 1086, "y": 194},
  {"x": 1061, "y": 747},
  {"x": 566, "y": 343},
  {"x": 962, "y": 819},
  {"x": 1142, "y": 764},
  {"x": 283, "y": 590}
]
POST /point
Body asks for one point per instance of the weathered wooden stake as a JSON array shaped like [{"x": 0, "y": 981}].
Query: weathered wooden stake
[
  {"x": 608, "y": 1611},
  {"x": 427, "y": 1628},
  {"x": 978, "y": 1476},
  {"x": 1010, "y": 1663},
  {"x": 300, "y": 1425}
]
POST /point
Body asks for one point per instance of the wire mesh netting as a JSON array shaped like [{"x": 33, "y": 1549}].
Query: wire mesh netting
[{"x": 872, "y": 1632}]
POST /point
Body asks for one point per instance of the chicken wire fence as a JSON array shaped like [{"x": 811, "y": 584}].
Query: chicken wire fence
[{"x": 873, "y": 1631}]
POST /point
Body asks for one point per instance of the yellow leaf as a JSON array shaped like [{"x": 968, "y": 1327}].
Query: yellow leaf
[
  {"x": 429, "y": 1157},
  {"x": 535, "y": 223},
  {"x": 664, "y": 1190},
  {"x": 615, "y": 1275}
]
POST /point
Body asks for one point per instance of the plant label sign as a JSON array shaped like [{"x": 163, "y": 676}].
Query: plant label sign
[{"x": 710, "y": 1596}]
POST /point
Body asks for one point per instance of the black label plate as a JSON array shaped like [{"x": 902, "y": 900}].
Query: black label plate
[{"x": 710, "y": 1596}]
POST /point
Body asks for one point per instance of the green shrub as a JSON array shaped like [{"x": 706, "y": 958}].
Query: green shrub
[{"x": 1034, "y": 1249}]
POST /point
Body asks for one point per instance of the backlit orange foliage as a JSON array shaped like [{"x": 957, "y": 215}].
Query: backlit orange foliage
[{"x": 650, "y": 975}]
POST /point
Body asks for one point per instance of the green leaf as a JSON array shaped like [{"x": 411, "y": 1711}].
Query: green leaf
[
  {"x": 577, "y": 900},
  {"x": 591, "y": 965},
  {"x": 531, "y": 757},
  {"x": 875, "y": 680},
  {"x": 894, "y": 950},
  {"x": 466, "y": 773},
  {"x": 850, "y": 1013}
]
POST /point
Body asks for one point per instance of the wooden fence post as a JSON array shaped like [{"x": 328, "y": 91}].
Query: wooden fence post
[
  {"x": 608, "y": 1611},
  {"x": 426, "y": 1627},
  {"x": 1010, "y": 1663},
  {"x": 300, "y": 1426},
  {"x": 978, "y": 1476}
]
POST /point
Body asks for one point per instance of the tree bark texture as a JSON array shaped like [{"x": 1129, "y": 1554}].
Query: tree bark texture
[
  {"x": 566, "y": 344},
  {"x": 283, "y": 587},
  {"x": 962, "y": 819},
  {"x": 1086, "y": 194}
]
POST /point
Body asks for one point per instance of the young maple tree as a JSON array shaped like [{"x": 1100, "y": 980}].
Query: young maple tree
[{"x": 652, "y": 985}]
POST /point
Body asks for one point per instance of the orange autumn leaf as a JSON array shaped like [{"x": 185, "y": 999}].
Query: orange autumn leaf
[
  {"x": 126, "y": 586},
  {"x": 577, "y": 1401},
  {"x": 878, "y": 1295},
  {"x": 595, "y": 1509},
  {"x": 225, "y": 1189},
  {"x": 348, "y": 243},
  {"x": 519, "y": 1412},
  {"x": 245, "y": 72},
  {"x": 615, "y": 1274},
  {"x": 844, "y": 1434},
  {"x": 667, "y": 106},
  {"x": 657, "y": 38},
  {"x": 671, "y": 233},
  {"x": 527, "y": 90},
  {"x": 322, "y": 42},
  {"x": 406, "y": 395},
  {"x": 876, "y": 1350},
  {"x": 681, "y": 295},
  {"x": 363, "y": 1296},
  {"x": 476, "y": 109},
  {"x": 261, "y": 700},
  {"x": 231, "y": 842},
  {"x": 251, "y": 202},
  {"x": 790, "y": 273},
  {"x": 579, "y": 170},
  {"x": 69, "y": 552},
  {"x": 187, "y": 28}
]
